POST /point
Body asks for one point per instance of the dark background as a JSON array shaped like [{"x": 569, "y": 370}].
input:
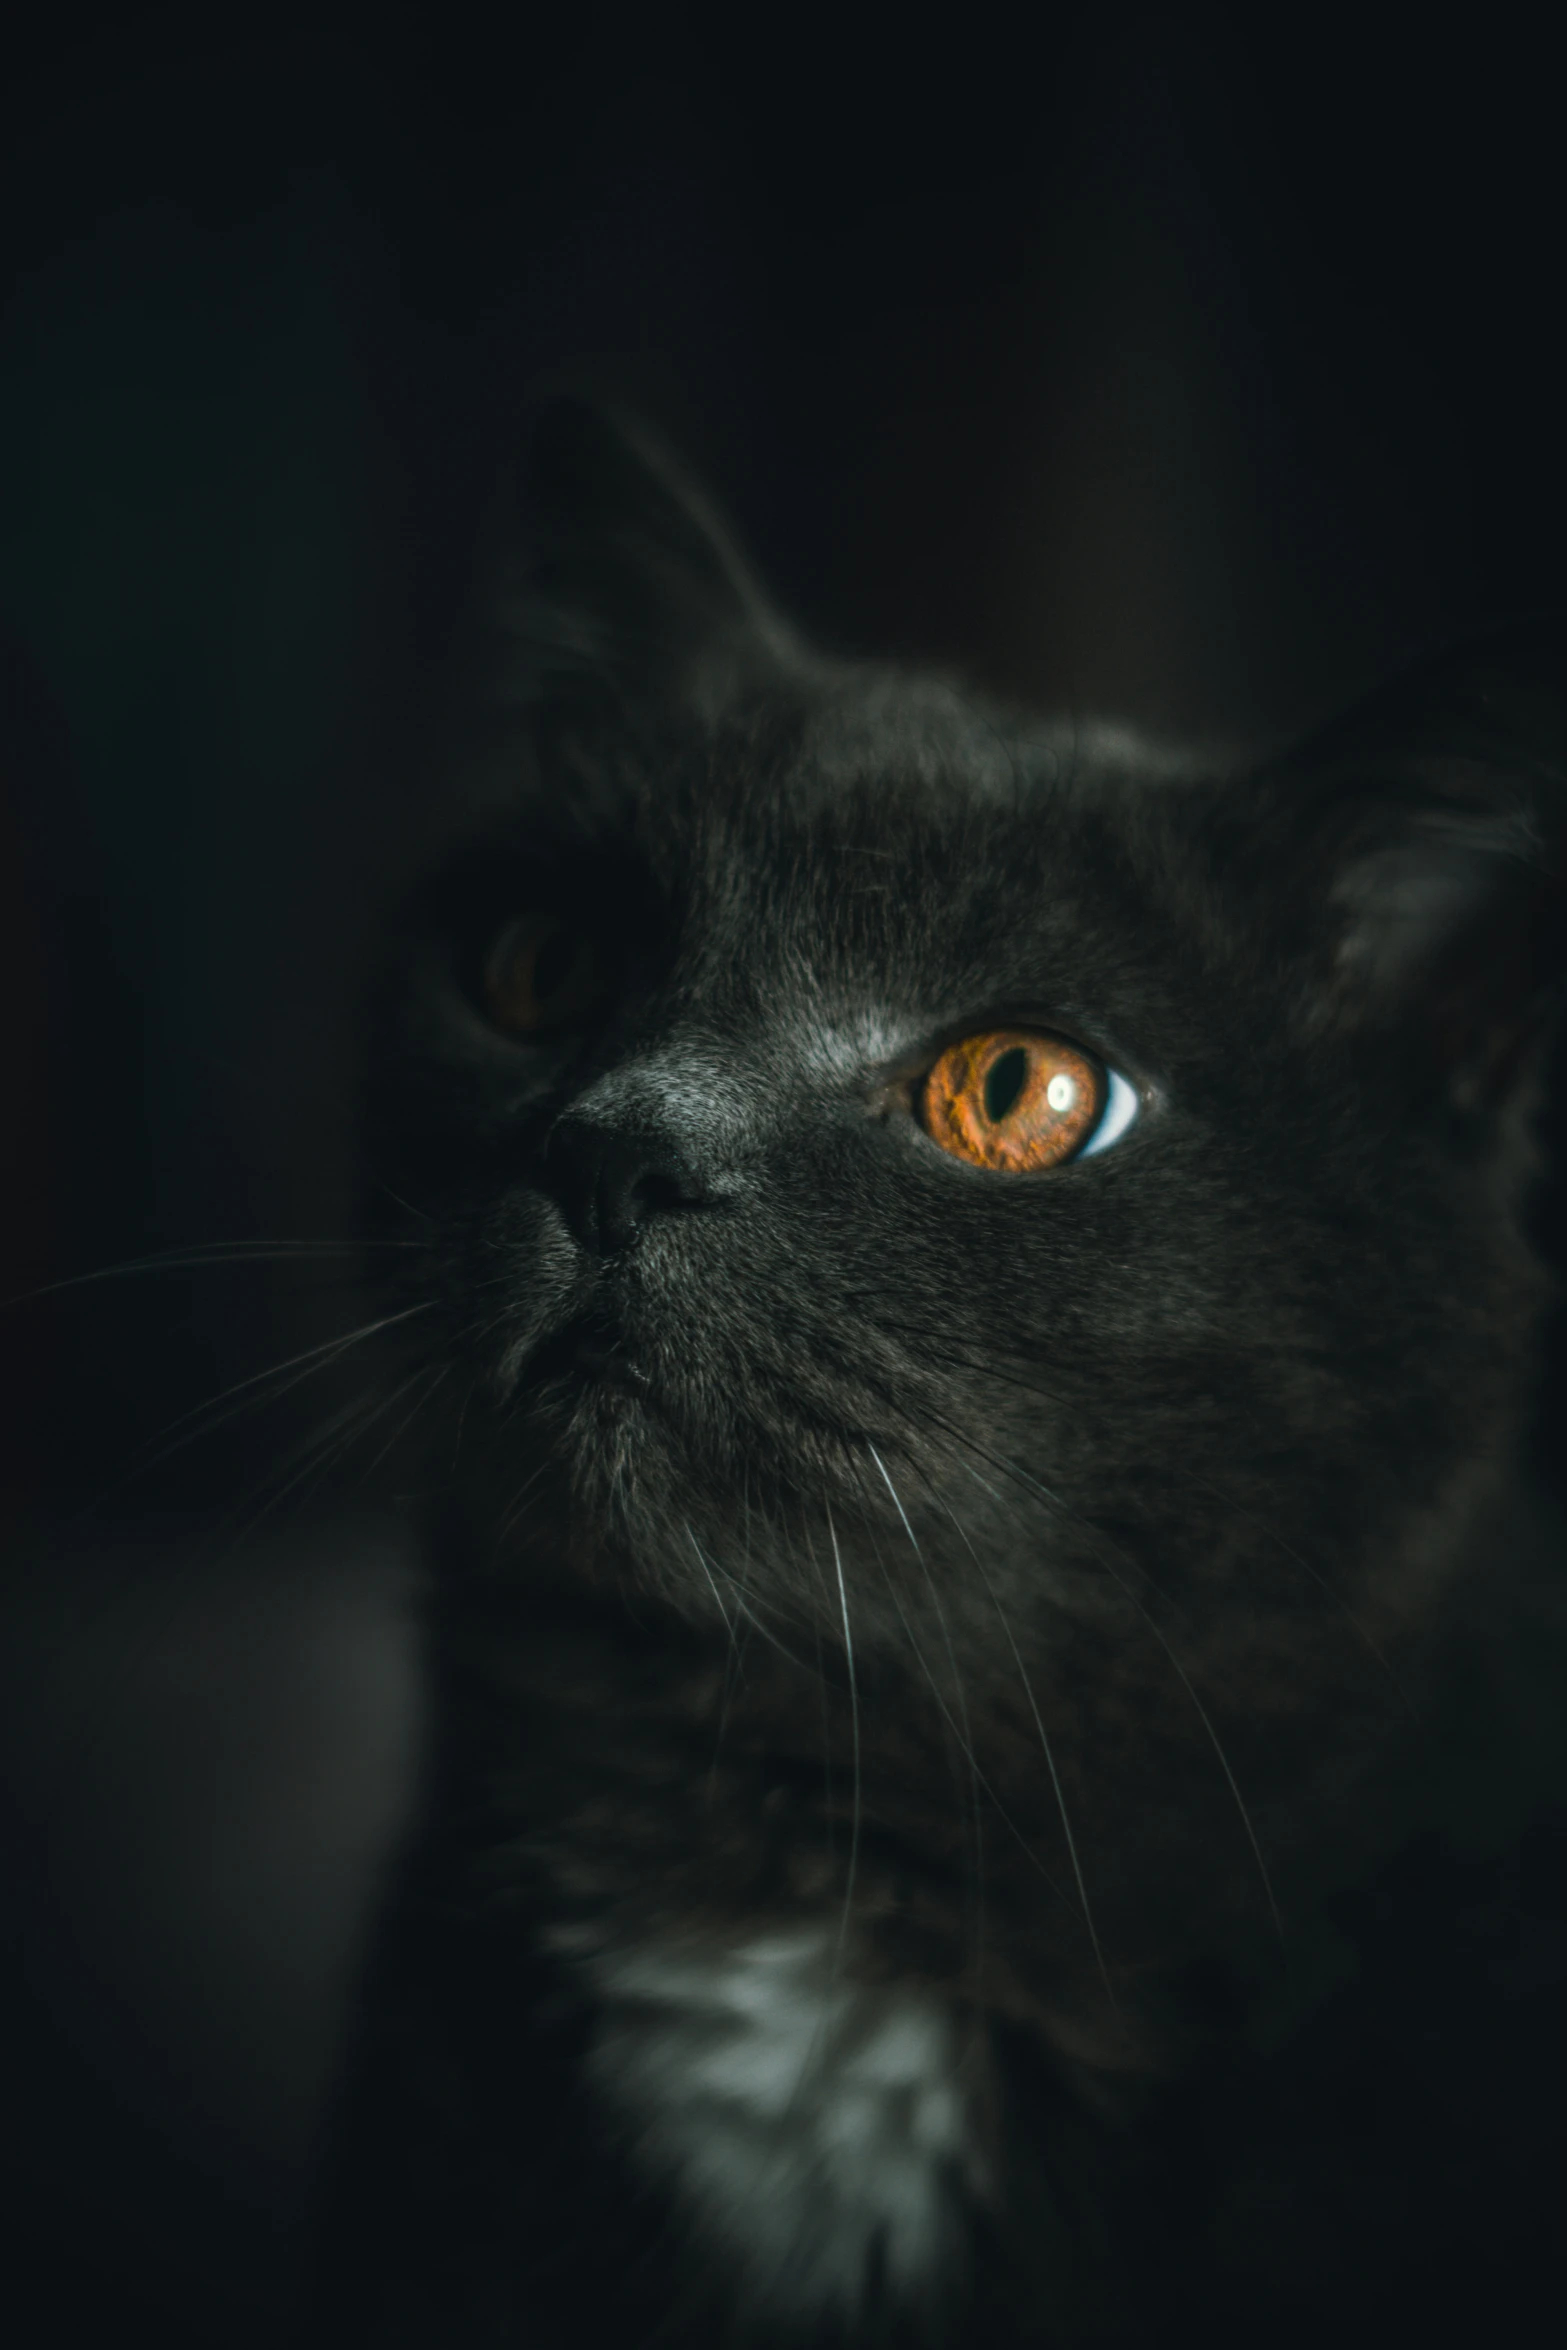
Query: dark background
[{"x": 1133, "y": 362}]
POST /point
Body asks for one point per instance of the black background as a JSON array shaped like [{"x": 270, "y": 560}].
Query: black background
[{"x": 1135, "y": 362}]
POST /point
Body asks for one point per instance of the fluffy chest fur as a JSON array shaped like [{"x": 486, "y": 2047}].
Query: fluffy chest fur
[{"x": 821, "y": 2135}]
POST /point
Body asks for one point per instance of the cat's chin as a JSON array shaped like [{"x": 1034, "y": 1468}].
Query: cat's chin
[
  {"x": 608, "y": 1433},
  {"x": 596, "y": 1417}
]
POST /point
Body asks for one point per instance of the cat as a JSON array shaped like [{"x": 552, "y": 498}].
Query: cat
[{"x": 990, "y": 1631}]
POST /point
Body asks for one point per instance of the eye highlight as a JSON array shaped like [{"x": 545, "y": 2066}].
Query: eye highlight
[
  {"x": 1015, "y": 1099},
  {"x": 543, "y": 974}
]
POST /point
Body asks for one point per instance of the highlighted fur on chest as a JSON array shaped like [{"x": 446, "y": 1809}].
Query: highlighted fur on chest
[{"x": 819, "y": 2130}]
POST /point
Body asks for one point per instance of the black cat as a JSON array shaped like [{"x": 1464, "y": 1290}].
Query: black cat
[{"x": 991, "y": 1644}]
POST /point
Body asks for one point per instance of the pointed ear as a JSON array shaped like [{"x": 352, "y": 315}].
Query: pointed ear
[
  {"x": 626, "y": 591},
  {"x": 1424, "y": 840}
]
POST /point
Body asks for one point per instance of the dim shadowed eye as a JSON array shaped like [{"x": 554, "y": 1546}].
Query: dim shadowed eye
[
  {"x": 543, "y": 974},
  {"x": 1021, "y": 1101}
]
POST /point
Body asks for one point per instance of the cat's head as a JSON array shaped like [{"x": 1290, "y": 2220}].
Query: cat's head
[{"x": 892, "y": 1167}]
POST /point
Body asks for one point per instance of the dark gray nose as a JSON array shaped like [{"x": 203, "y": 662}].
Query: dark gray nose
[{"x": 611, "y": 1179}]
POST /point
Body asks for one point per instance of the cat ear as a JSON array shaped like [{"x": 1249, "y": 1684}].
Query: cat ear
[
  {"x": 1425, "y": 840},
  {"x": 627, "y": 590}
]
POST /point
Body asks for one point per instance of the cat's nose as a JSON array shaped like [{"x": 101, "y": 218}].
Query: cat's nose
[{"x": 610, "y": 1180}]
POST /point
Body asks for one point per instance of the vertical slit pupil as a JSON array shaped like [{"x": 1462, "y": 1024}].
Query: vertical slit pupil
[{"x": 1004, "y": 1081}]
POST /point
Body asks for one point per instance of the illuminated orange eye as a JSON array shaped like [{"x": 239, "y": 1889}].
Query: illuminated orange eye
[
  {"x": 542, "y": 974},
  {"x": 1012, "y": 1099}
]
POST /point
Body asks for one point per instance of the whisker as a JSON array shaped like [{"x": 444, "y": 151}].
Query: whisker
[
  {"x": 1099, "y": 1540},
  {"x": 462, "y": 1422},
  {"x": 751, "y": 1617},
  {"x": 1096, "y": 1537},
  {"x": 987, "y": 1369},
  {"x": 967, "y": 1740},
  {"x": 1345, "y": 1610},
  {"x": 515, "y": 1509},
  {"x": 1218, "y": 1748},
  {"x": 748, "y": 1607},
  {"x": 1005, "y": 1816},
  {"x": 407, "y": 1207},
  {"x": 854, "y": 1721},
  {"x": 210, "y": 1253},
  {"x": 734, "y": 1673},
  {"x": 307, "y": 1463},
  {"x": 1050, "y": 1760},
  {"x": 712, "y": 1586},
  {"x": 313, "y": 1358},
  {"x": 442, "y": 1371}
]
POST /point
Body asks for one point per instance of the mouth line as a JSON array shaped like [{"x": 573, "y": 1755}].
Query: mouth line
[{"x": 583, "y": 1357}]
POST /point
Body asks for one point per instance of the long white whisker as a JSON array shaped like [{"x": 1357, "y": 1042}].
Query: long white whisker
[
  {"x": 712, "y": 1586},
  {"x": 946, "y": 1714},
  {"x": 1214, "y": 1740},
  {"x": 307, "y": 1463},
  {"x": 988, "y": 1370},
  {"x": 442, "y": 1370},
  {"x": 210, "y": 1253},
  {"x": 854, "y": 1719},
  {"x": 313, "y": 1358},
  {"x": 1050, "y": 1760},
  {"x": 1093, "y": 1532},
  {"x": 967, "y": 1740},
  {"x": 514, "y": 1510}
]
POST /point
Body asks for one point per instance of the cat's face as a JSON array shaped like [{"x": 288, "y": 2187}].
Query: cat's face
[{"x": 1189, "y": 1293}]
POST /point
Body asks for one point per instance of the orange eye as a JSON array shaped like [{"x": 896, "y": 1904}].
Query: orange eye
[
  {"x": 1012, "y": 1099},
  {"x": 542, "y": 974}
]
